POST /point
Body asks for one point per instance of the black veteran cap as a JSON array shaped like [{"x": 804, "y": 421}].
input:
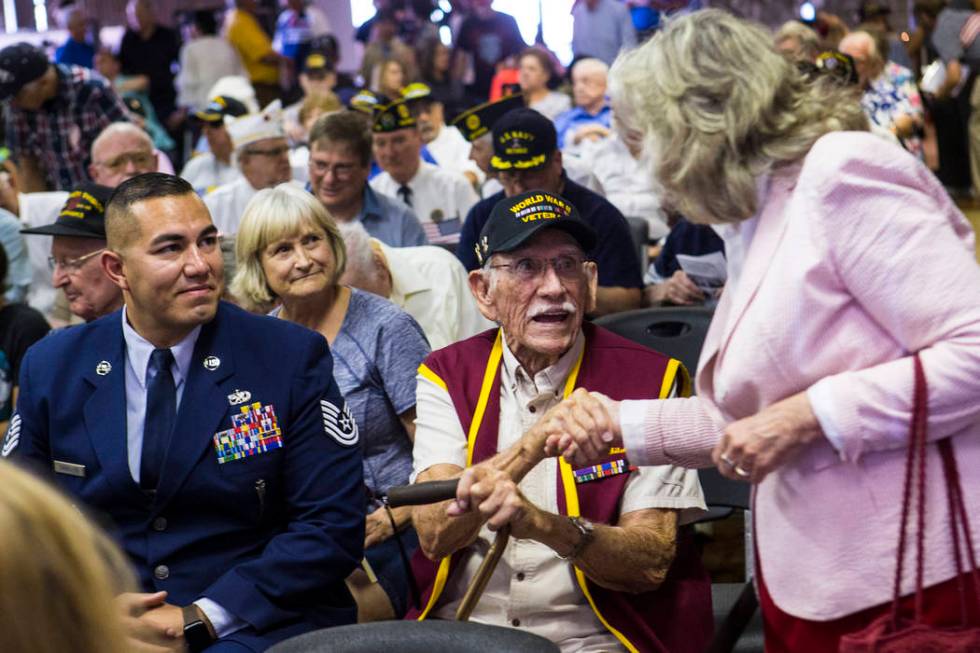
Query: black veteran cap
[
  {"x": 365, "y": 101},
  {"x": 392, "y": 117},
  {"x": 417, "y": 91},
  {"x": 315, "y": 63},
  {"x": 219, "y": 107},
  {"x": 20, "y": 64},
  {"x": 82, "y": 216},
  {"x": 514, "y": 220},
  {"x": 479, "y": 120},
  {"x": 522, "y": 139}
]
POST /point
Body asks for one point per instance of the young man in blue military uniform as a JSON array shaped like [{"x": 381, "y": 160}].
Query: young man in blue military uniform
[{"x": 215, "y": 441}]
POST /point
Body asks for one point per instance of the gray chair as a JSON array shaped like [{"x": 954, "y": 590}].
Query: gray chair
[
  {"x": 676, "y": 331},
  {"x": 640, "y": 230},
  {"x": 433, "y": 636}
]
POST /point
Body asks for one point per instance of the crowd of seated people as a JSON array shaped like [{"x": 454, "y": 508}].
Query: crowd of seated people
[{"x": 240, "y": 246}]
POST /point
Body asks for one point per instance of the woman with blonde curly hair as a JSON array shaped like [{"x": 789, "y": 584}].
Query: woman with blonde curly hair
[
  {"x": 845, "y": 258},
  {"x": 58, "y": 573}
]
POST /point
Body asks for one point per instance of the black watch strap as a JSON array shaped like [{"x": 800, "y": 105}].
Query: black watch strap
[{"x": 197, "y": 633}]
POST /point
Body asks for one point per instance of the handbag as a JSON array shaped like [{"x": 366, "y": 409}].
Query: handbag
[{"x": 897, "y": 633}]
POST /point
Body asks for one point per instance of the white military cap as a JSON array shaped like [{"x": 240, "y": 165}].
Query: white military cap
[{"x": 247, "y": 129}]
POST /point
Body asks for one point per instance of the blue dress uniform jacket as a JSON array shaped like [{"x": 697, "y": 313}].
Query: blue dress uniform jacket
[{"x": 270, "y": 537}]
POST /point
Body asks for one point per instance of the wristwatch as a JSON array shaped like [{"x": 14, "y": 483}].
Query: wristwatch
[
  {"x": 198, "y": 632},
  {"x": 585, "y": 529}
]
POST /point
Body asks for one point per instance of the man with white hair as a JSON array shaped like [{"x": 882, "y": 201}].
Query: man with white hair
[
  {"x": 426, "y": 282},
  {"x": 591, "y": 117},
  {"x": 887, "y": 104},
  {"x": 601, "y": 558},
  {"x": 262, "y": 153},
  {"x": 120, "y": 151}
]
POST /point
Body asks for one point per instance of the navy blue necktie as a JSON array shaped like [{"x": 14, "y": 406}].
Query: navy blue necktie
[
  {"x": 405, "y": 193},
  {"x": 161, "y": 412}
]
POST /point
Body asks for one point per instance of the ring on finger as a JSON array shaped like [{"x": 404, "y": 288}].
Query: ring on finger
[
  {"x": 728, "y": 461},
  {"x": 741, "y": 472}
]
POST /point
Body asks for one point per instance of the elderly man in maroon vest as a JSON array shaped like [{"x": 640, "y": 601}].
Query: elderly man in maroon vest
[{"x": 600, "y": 558}]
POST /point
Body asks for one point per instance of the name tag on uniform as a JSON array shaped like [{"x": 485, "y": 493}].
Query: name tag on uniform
[
  {"x": 604, "y": 470},
  {"x": 71, "y": 469},
  {"x": 254, "y": 430}
]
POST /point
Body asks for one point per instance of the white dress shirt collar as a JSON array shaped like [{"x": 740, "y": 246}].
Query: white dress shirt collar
[{"x": 138, "y": 350}]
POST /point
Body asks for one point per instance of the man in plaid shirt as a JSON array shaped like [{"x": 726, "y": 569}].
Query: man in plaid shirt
[{"x": 53, "y": 114}]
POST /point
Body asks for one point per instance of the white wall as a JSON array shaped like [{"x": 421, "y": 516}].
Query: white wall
[{"x": 339, "y": 14}]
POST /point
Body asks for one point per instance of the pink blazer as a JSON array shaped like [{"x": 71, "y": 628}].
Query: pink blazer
[{"x": 856, "y": 262}]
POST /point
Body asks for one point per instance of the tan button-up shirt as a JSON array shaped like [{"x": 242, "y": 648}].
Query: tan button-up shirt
[{"x": 531, "y": 587}]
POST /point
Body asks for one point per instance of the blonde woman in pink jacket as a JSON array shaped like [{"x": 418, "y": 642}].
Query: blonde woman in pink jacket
[{"x": 846, "y": 256}]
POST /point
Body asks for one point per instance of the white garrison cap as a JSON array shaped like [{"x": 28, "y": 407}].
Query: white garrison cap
[{"x": 247, "y": 129}]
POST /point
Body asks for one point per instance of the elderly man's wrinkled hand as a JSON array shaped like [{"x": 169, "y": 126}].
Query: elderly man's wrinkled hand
[
  {"x": 495, "y": 496},
  {"x": 582, "y": 428},
  {"x": 752, "y": 447}
]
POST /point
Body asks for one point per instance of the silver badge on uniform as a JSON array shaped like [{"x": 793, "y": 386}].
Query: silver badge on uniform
[
  {"x": 339, "y": 423},
  {"x": 211, "y": 363},
  {"x": 239, "y": 397},
  {"x": 13, "y": 437},
  {"x": 103, "y": 368}
]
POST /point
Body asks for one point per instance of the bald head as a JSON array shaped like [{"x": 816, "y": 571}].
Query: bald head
[
  {"x": 589, "y": 81},
  {"x": 120, "y": 152}
]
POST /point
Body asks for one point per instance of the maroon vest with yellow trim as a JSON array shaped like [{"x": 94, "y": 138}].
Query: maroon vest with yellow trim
[{"x": 677, "y": 616}]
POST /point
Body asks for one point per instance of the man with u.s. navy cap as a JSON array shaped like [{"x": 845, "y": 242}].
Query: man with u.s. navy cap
[
  {"x": 215, "y": 441},
  {"x": 526, "y": 157}
]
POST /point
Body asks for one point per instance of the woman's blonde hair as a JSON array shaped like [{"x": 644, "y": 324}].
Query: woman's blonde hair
[
  {"x": 273, "y": 214},
  {"x": 320, "y": 103},
  {"x": 58, "y": 573},
  {"x": 719, "y": 107}
]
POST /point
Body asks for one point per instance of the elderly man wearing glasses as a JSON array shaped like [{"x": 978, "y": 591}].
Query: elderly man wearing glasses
[
  {"x": 601, "y": 557},
  {"x": 262, "y": 154},
  {"x": 121, "y": 151},
  {"x": 78, "y": 237}
]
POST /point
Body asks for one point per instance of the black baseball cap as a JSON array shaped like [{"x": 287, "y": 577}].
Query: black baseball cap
[
  {"x": 365, "y": 101},
  {"x": 515, "y": 220},
  {"x": 219, "y": 107},
  {"x": 316, "y": 62},
  {"x": 522, "y": 139},
  {"x": 82, "y": 216},
  {"x": 20, "y": 64},
  {"x": 479, "y": 120}
]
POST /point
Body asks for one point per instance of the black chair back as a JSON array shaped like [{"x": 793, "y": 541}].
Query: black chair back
[
  {"x": 676, "y": 331},
  {"x": 640, "y": 230}
]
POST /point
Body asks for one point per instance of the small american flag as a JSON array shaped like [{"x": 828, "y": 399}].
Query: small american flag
[
  {"x": 443, "y": 233},
  {"x": 970, "y": 30}
]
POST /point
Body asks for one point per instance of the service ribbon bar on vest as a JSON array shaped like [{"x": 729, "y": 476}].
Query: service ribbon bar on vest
[{"x": 611, "y": 468}]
